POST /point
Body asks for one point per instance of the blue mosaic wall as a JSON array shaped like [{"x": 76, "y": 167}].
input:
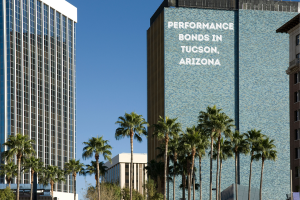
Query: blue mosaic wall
[{"x": 263, "y": 86}]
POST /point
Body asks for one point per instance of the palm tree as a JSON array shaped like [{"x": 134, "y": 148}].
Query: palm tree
[
  {"x": 92, "y": 169},
  {"x": 201, "y": 147},
  {"x": 74, "y": 167},
  {"x": 207, "y": 121},
  {"x": 36, "y": 166},
  {"x": 133, "y": 126},
  {"x": 52, "y": 175},
  {"x": 253, "y": 137},
  {"x": 223, "y": 124},
  {"x": 155, "y": 169},
  {"x": 266, "y": 151},
  {"x": 191, "y": 139},
  {"x": 164, "y": 129},
  {"x": 239, "y": 145},
  {"x": 173, "y": 146},
  {"x": 18, "y": 146},
  {"x": 225, "y": 153},
  {"x": 8, "y": 170},
  {"x": 97, "y": 146}
]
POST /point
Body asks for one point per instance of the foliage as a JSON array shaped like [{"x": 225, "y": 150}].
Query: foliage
[
  {"x": 109, "y": 191},
  {"x": 135, "y": 194},
  {"x": 9, "y": 170},
  {"x": 97, "y": 146},
  {"x": 7, "y": 194},
  {"x": 92, "y": 169},
  {"x": 150, "y": 187},
  {"x": 74, "y": 167}
]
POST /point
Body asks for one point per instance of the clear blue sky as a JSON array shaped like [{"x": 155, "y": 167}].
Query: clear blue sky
[{"x": 111, "y": 70}]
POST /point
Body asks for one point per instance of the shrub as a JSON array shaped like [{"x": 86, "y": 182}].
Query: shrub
[
  {"x": 152, "y": 193},
  {"x": 7, "y": 194}
]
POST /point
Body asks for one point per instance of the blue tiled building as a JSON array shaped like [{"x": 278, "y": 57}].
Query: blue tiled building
[{"x": 202, "y": 54}]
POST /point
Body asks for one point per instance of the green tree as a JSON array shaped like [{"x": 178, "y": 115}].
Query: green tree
[
  {"x": 223, "y": 124},
  {"x": 173, "y": 146},
  {"x": 7, "y": 194},
  {"x": 164, "y": 129},
  {"x": 74, "y": 167},
  {"x": 52, "y": 175},
  {"x": 92, "y": 169},
  {"x": 18, "y": 146},
  {"x": 266, "y": 151},
  {"x": 191, "y": 139},
  {"x": 207, "y": 120},
  {"x": 225, "y": 153},
  {"x": 133, "y": 126},
  {"x": 152, "y": 193},
  {"x": 201, "y": 147},
  {"x": 36, "y": 166},
  {"x": 253, "y": 137},
  {"x": 155, "y": 169},
  {"x": 239, "y": 146},
  {"x": 97, "y": 146},
  {"x": 9, "y": 170}
]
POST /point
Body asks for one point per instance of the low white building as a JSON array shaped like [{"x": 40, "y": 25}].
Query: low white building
[{"x": 118, "y": 171}]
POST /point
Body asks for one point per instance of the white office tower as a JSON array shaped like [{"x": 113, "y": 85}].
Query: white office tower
[{"x": 37, "y": 79}]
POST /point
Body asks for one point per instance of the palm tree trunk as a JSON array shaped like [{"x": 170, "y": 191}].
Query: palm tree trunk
[
  {"x": 189, "y": 179},
  {"x": 261, "y": 179},
  {"x": 236, "y": 177},
  {"x": 166, "y": 164},
  {"x": 9, "y": 183},
  {"x": 98, "y": 185},
  {"x": 52, "y": 189},
  {"x": 131, "y": 164},
  {"x": 193, "y": 187},
  {"x": 218, "y": 155},
  {"x": 249, "y": 191},
  {"x": 192, "y": 170},
  {"x": 220, "y": 179},
  {"x": 210, "y": 173},
  {"x": 200, "y": 178},
  {"x": 32, "y": 177},
  {"x": 183, "y": 186},
  {"x": 19, "y": 176},
  {"x": 174, "y": 176},
  {"x": 74, "y": 187}
]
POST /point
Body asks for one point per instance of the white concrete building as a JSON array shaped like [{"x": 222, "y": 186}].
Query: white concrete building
[{"x": 119, "y": 170}]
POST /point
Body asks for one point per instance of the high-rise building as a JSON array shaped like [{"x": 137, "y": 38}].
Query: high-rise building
[
  {"x": 292, "y": 27},
  {"x": 225, "y": 53},
  {"x": 37, "y": 79},
  {"x": 118, "y": 171}
]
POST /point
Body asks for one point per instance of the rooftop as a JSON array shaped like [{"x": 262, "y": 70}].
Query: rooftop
[{"x": 289, "y": 25}]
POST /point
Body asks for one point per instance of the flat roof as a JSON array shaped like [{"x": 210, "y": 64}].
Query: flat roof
[
  {"x": 289, "y": 25},
  {"x": 63, "y": 7}
]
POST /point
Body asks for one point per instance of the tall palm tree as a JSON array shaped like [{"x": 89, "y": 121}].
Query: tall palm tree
[
  {"x": 75, "y": 167},
  {"x": 191, "y": 139},
  {"x": 52, "y": 175},
  {"x": 239, "y": 145},
  {"x": 92, "y": 169},
  {"x": 36, "y": 166},
  {"x": 9, "y": 170},
  {"x": 223, "y": 124},
  {"x": 164, "y": 129},
  {"x": 173, "y": 146},
  {"x": 201, "y": 147},
  {"x": 97, "y": 146},
  {"x": 266, "y": 151},
  {"x": 253, "y": 137},
  {"x": 18, "y": 146},
  {"x": 207, "y": 120},
  {"x": 225, "y": 153},
  {"x": 133, "y": 126}
]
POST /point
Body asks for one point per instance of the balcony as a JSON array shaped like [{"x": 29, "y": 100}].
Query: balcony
[{"x": 294, "y": 63}]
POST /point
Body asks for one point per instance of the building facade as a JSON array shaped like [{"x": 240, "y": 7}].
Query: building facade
[
  {"x": 292, "y": 27},
  {"x": 119, "y": 171},
  {"x": 38, "y": 74},
  {"x": 228, "y": 54}
]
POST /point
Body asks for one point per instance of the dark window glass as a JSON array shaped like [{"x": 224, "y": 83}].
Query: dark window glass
[
  {"x": 296, "y": 78},
  {"x": 296, "y": 153},
  {"x": 295, "y": 97},
  {"x": 296, "y": 134},
  {"x": 296, "y": 171},
  {"x": 298, "y": 39}
]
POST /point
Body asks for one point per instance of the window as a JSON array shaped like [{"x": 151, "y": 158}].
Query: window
[
  {"x": 296, "y": 113},
  {"x": 296, "y": 171},
  {"x": 297, "y": 131},
  {"x": 298, "y": 56},
  {"x": 296, "y": 97},
  {"x": 297, "y": 153},
  {"x": 298, "y": 39}
]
